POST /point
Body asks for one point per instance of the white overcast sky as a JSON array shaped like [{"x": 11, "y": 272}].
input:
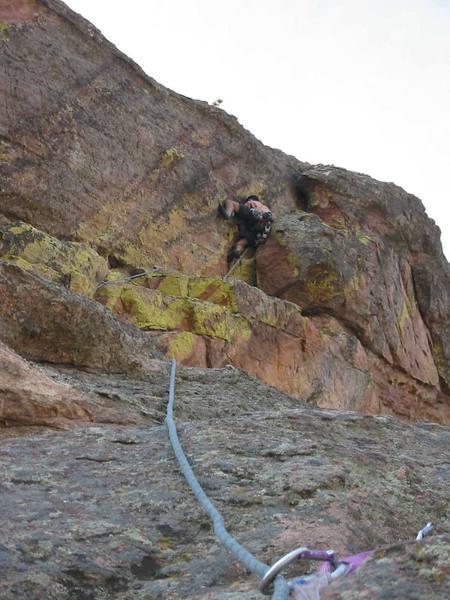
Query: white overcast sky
[{"x": 362, "y": 84}]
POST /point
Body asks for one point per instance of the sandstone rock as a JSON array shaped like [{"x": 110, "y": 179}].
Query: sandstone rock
[
  {"x": 28, "y": 397},
  {"x": 409, "y": 570},
  {"x": 33, "y": 397},
  {"x": 369, "y": 257},
  {"x": 46, "y": 322},
  {"x": 129, "y": 166},
  {"x": 75, "y": 265},
  {"x": 104, "y": 175},
  {"x": 209, "y": 322},
  {"x": 80, "y": 194}
]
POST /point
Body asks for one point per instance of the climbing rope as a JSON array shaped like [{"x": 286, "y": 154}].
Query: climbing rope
[
  {"x": 126, "y": 279},
  {"x": 303, "y": 588},
  {"x": 281, "y": 589},
  {"x": 236, "y": 263}
]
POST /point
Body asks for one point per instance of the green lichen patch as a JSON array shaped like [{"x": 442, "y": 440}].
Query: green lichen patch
[
  {"x": 213, "y": 289},
  {"x": 365, "y": 239},
  {"x": 109, "y": 296},
  {"x": 404, "y": 317},
  {"x": 150, "y": 309},
  {"x": 169, "y": 157},
  {"x": 216, "y": 321},
  {"x": 245, "y": 271},
  {"x": 181, "y": 346},
  {"x": 75, "y": 264},
  {"x": 322, "y": 285},
  {"x": 170, "y": 284}
]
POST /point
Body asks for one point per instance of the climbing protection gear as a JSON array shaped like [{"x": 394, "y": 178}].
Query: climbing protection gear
[
  {"x": 424, "y": 531},
  {"x": 297, "y": 554},
  {"x": 308, "y": 587}
]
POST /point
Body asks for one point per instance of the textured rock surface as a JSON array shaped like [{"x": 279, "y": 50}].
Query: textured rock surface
[
  {"x": 356, "y": 259},
  {"x": 423, "y": 573},
  {"x": 45, "y": 322},
  {"x": 71, "y": 168},
  {"x": 75, "y": 265},
  {"x": 103, "y": 173},
  {"x": 82, "y": 200},
  {"x": 28, "y": 397},
  {"x": 282, "y": 477},
  {"x": 209, "y": 322}
]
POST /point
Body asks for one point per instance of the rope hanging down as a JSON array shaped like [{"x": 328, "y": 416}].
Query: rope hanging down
[{"x": 281, "y": 589}]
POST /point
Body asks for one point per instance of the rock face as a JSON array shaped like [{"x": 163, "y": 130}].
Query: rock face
[
  {"x": 367, "y": 256},
  {"x": 104, "y": 511},
  {"x": 48, "y": 323},
  {"x": 30, "y": 398},
  {"x": 83, "y": 201},
  {"x": 112, "y": 258},
  {"x": 104, "y": 154}
]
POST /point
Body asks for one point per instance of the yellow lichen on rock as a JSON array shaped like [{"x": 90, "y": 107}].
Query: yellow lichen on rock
[
  {"x": 109, "y": 296},
  {"x": 246, "y": 271},
  {"x": 170, "y": 284},
  {"x": 216, "y": 321},
  {"x": 107, "y": 224},
  {"x": 404, "y": 317},
  {"x": 323, "y": 285},
  {"x": 213, "y": 289},
  {"x": 181, "y": 346},
  {"x": 153, "y": 310},
  {"x": 149, "y": 309},
  {"x": 75, "y": 264},
  {"x": 169, "y": 156}
]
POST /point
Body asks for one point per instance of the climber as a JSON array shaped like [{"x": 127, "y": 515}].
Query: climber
[{"x": 254, "y": 221}]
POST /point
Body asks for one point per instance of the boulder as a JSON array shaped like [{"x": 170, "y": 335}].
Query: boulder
[
  {"x": 29, "y": 398},
  {"x": 46, "y": 322}
]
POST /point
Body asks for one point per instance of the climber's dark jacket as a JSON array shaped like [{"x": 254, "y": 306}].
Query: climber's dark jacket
[{"x": 254, "y": 226}]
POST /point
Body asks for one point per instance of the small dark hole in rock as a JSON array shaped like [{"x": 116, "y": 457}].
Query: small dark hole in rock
[
  {"x": 114, "y": 262},
  {"x": 148, "y": 569}
]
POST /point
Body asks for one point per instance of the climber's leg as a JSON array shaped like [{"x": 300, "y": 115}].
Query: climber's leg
[{"x": 237, "y": 249}]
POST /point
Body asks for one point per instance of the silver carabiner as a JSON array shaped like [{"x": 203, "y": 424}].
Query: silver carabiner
[{"x": 285, "y": 560}]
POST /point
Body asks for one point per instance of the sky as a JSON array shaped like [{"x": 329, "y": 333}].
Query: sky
[{"x": 361, "y": 84}]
